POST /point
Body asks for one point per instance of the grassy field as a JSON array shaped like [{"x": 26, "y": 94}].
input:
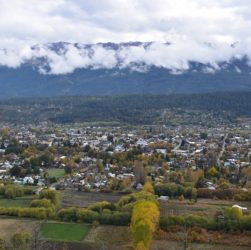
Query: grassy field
[
  {"x": 56, "y": 172},
  {"x": 64, "y": 231},
  {"x": 17, "y": 202}
]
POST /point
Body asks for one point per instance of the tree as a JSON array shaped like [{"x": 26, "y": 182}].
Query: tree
[
  {"x": 148, "y": 187},
  {"x": 144, "y": 222},
  {"x": 15, "y": 171},
  {"x": 46, "y": 159},
  {"x": 189, "y": 175},
  {"x": 139, "y": 173},
  {"x": 212, "y": 172},
  {"x": 5, "y": 132},
  {"x": 51, "y": 195},
  {"x": 68, "y": 170}
]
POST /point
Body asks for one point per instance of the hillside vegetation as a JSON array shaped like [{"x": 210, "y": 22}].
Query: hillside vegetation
[{"x": 131, "y": 109}]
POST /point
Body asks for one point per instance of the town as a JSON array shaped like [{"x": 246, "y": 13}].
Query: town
[
  {"x": 103, "y": 158},
  {"x": 194, "y": 170}
]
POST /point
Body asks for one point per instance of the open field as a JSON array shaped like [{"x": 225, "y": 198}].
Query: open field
[
  {"x": 203, "y": 207},
  {"x": 64, "y": 231},
  {"x": 84, "y": 199},
  {"x": 17, "y": 202},
  {"x": 80, "y": 236},
  {"x": 174, "y": 245},
  {"x": 56, "y": 172},
  {"x": 110, "y": 235},
  {"x": 205, "y": 239},
  {"x": 8, "y": 226}
]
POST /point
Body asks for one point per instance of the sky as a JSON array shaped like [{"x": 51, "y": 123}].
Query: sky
[{"x": 200, "y": 30}]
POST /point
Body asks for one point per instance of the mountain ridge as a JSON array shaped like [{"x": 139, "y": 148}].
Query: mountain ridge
[{"x": 34, "y": 78}]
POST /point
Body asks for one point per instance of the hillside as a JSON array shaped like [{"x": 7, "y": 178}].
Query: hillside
[
  {"x": 132, "y": 109},
  {"x": 62, "y": 69}
]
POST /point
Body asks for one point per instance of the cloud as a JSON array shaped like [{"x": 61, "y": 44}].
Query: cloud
[{"x": 198, "y": 30}]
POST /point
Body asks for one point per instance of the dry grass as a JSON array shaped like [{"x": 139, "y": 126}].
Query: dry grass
[
  {"x": 8, "y": 227},
  {"x": 85, "y": 199},
  {"x": 174, "y": 245},
  {"x": 213, "y": 239},
  {"x": 203, "y": 207},
  {"x": 115, "y": 237}
]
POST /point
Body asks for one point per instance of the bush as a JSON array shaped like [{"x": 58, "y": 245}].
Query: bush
[
  {"x": 233, "y": 221},
  {"x": 243, "y": 196},
  {"x": 99, "y": 206},
  {"x": 12, "y": 192},
  {"x": 42, "y": 203},
  {"x": 51, "y": 195},
  {"x": 86, "y": 215},
  {"x": 9, "y": 211},
  {"x": 169, "y": 189},
  {"x": 2, "y": 190},
  {"x": 167, "y": 221},
  {"x": 131, "y": 198},
  {"x": 223, "y": 194},
  {"x": 37, "y": 213},
  {"x": 68, "y": 214},
  {"x": 233, "y": 213}
]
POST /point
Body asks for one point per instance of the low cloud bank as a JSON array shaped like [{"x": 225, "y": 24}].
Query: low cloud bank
[{"x": 64, "y": 58}]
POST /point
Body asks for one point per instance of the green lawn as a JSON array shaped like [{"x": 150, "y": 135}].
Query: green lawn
[
  {"x": 56, "y": 172},
  {"x": 64, "y": 231},
  {"x": 17, "y": 202}
]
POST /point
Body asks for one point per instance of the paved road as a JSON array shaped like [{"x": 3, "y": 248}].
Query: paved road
[{"x": 222, "y": 150}]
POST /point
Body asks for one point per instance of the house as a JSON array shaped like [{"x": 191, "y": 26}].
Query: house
[
  {"x": 163, "y": 198},
  {"x": 28, "y": 180}
]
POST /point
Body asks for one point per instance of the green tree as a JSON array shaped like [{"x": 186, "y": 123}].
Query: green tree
[{"x": 212, "y": 172}]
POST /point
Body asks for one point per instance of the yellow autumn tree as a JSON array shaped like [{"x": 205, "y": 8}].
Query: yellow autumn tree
[
  {"x": 145, "y": 220},
  {"x": 148, "y": 187}
]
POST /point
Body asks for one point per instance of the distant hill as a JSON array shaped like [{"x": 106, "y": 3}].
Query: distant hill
[
  {"x": 34, "y": 78},
  {"x": 131, "y": 109}
]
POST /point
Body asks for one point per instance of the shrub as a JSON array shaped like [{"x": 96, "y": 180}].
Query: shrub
[
  {"x": 42, "y": 203},
  {"x": 131, "y": 198},
  {"x": 99, "y": 206},
  {"x": 169, "y": 189},
  {"x": 12, "y": 192},
  {"x": 37, "y": 213},
  {"x": 86, "y": 215},
  {"x": 167, "y": 221},
  {"x": 223, "y": 194},
  {"x": 233, "y": 213},
  {"x": 68, "y": 214},
  {"x": 51, "y": 195}
]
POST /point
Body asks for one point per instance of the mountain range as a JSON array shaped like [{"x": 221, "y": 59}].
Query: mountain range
[{"x": 111, "y": 69}]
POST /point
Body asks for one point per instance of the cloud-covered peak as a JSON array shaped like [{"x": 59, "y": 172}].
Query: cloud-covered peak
[{"x": 64, "y": 57}]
